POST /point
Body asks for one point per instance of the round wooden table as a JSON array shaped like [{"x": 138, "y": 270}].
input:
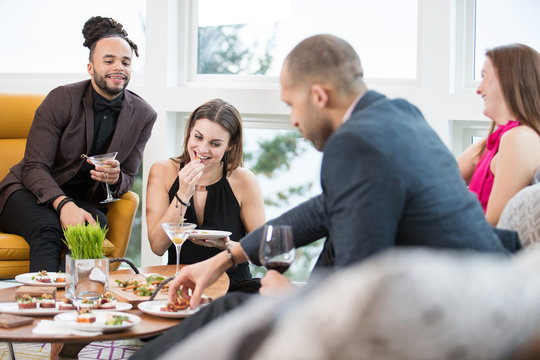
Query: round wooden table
[{"x": 150, "y": 325}]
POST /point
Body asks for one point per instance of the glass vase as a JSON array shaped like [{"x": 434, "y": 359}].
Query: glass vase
[{"x": 86, "y": 278}]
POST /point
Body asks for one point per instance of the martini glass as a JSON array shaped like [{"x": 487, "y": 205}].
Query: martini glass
[
  {"x": 99, "y": 160},
  {"x": 178, "y": 232}
]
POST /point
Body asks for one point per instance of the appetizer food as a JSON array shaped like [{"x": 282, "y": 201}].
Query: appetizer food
[
  {"x": 60, "y": 278},
  {"x": 66, "y": 304},
  {"x": 27, "y": 302},
  {"x": 42, "y": 276},
  {"x": 142, "y": 288},
  {"x": 87, "y": 303},
  {"x": 46, "y": 301},
  {"x": 85, "y": 315},
  {"x": 116, "y": 319},
  {"x": 179, "y": 304},
  {"x": 107, "y": 301}
]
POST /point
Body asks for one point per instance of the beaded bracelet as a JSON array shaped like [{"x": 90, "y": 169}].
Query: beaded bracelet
[
  {"x": 181, "y": 202},
  {"x": 63, "y": 202},
  {"x": 230, "y": 255}
]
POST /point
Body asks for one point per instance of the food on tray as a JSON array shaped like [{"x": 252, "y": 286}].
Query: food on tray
[
  {"x": 143, "y": 288},
  {"x": 66, "y": 304},
  {"x": 27, "y": 302},
  {"x": 154, "y": 279},
  {"x": 127, "y": 284},
  {"x": 85, "y": 315},
  {"x": 46, "y": 301},
  {"x": 107, "y": 301},
  {"x": 42, "y": 276},
  {"x": 179, "y": 304},
  {"x": 111, "y": 319}
]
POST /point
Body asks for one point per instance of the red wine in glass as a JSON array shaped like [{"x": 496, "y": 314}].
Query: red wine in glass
[
  {"x": 277, "y": 251},
  {"x": 279, "y": 266}
]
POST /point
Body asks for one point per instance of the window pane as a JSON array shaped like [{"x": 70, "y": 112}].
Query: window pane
[
  {"x": 253, "y": 37},
  {"x": 44, "y": 36},
  {"x": 288, "y": 170},
  {"x": 500, "y": 22}
]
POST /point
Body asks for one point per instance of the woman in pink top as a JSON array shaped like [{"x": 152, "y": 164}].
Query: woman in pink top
[{"x": 504, "y": 163}]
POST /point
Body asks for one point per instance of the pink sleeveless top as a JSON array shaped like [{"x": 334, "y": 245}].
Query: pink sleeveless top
[{"x": 482, "y": 179}]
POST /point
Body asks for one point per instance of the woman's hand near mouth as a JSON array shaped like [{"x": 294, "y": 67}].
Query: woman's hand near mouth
[{"x": 188, "y": 176}]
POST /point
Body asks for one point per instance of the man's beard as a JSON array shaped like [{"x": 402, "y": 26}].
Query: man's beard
[{"x": 101, "y": 83}]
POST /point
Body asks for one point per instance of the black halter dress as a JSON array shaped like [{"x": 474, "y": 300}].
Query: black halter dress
[{"x": 221, "y": 212}]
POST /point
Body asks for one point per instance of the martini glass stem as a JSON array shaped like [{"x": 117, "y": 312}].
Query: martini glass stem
[
  {"x": 109, "y": 195},
  {"x": 177, "y": 246}
]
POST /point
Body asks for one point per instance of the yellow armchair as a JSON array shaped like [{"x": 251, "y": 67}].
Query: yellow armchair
[{"x": 16, "y": 115}]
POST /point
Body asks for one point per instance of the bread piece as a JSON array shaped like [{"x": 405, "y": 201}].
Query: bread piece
[{"x": 35, "y": 291}]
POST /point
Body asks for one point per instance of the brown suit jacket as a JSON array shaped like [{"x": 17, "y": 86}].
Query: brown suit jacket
[{"x": 63, "y": 129}]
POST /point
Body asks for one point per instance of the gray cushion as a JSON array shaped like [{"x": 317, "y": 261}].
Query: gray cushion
[
  {"x": 415, "y": 305},
  {"x": 522, "y": 214},
  {"x": 537, "y": 176}
]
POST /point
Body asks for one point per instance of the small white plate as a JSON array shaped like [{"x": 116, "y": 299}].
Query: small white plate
[
  {"x": 27, "y": 279},
  {"x": 154, "y": 308},
  {"x": 13, "y": 308},
  {"x": 208, "y": 234},
  {"x": 70, "y": 319}
]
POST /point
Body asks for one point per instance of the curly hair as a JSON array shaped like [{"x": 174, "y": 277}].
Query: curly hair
[{"x": 97, "y": 28}]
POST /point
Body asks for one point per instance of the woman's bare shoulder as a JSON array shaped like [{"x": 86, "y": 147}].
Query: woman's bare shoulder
[
  {"x": 242, "y": 180},
  {"x": 164, "y": 168},
  {"x": 522, "y": 136}
]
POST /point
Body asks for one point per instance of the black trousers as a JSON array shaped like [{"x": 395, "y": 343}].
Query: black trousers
[
  {"x": 40, "y": 226},
  {"x": 159, "y": 345}
]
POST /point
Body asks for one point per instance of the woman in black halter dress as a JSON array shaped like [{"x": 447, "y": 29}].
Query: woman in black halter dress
[{"x": 208, "y": 178}]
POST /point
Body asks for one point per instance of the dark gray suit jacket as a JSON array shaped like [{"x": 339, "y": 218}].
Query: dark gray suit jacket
[
  {"x": 387, "y": 180},
  {"x": 63, "y": 129}
]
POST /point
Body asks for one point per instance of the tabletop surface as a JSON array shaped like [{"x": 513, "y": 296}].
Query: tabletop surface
[{"x": 149, "y": 326}]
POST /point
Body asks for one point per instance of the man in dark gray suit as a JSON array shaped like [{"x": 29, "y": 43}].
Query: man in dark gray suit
[
  {"x": 387, "y": 180},
  {"x": 53, "y": 187}
]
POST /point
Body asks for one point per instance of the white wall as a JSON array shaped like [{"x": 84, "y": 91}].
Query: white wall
[{"x": 438, "y": 91}]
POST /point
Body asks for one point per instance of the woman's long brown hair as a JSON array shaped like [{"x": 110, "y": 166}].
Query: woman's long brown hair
[{"x": 518, "y": 69}]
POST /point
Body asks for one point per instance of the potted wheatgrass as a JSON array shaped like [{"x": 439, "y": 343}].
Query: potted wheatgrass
[{"x": 87, "y": 269}]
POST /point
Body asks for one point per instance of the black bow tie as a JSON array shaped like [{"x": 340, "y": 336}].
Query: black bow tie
[{"x": 102, "y": 104}]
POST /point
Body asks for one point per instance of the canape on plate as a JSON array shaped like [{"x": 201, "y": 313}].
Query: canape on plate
[
  {"x": 179, "y": 304},
  {"x": 85, "y": 315},
  {"x": 42, "y": 276},
  {"x": 87, "y": 303},
  {"x": 60, "y": 277},
  {"x": 66, "y": 304},
  {"x": 107, "y": 301},
  {"x": 27, "y": 302},
  {"x": 46, "y": 301}
]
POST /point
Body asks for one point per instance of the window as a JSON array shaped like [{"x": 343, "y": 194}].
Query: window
[
  {"x": 467, "y": 132},
  {"x": 48, "y": 33},
  {"x": 500, "y": 22},
  {"x": 253, "y": 37}
]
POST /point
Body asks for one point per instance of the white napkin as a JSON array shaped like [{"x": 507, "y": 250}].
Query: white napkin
[{"x": 50, "y": 327}]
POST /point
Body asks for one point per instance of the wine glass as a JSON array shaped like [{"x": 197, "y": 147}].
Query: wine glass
[
  {"x": 99, "y": 160},
  {"x": 178, "y": 232},
  {"x": 277, "y": 247}
]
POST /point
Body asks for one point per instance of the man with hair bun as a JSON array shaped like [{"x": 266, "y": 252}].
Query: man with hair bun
[{"x": 53, "y": 186}]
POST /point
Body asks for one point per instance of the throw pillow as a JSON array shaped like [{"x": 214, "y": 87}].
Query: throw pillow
[{"x": 522, "y": 214}]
